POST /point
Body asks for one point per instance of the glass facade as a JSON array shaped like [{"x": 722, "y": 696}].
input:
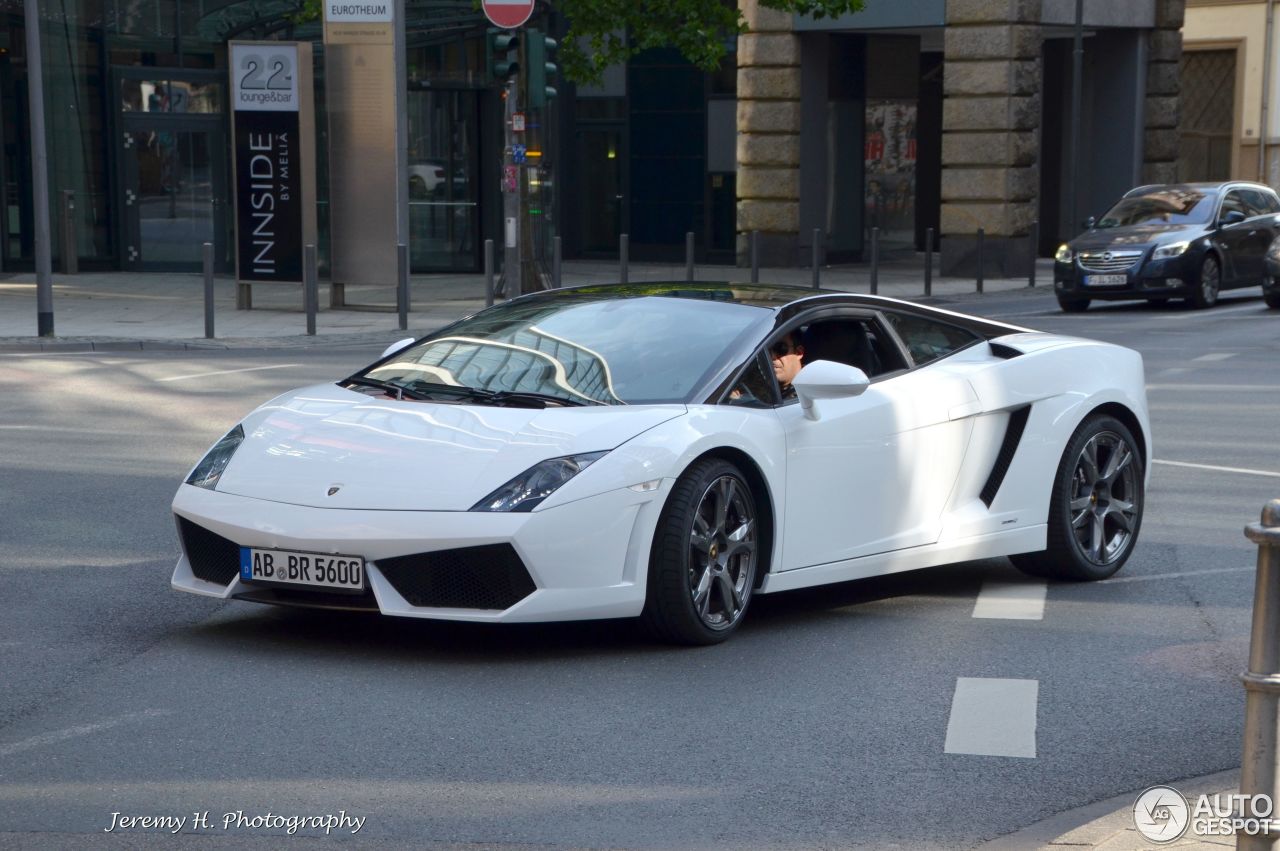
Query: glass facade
[{"x": 137, "y": 128}]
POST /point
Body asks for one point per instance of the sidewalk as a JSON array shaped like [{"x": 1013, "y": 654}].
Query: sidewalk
[{"x": 112, "y": 310}]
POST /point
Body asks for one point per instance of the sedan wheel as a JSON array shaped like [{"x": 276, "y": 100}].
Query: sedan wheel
[
  {"x": 1095, "y": 511},
  {"x": 1206, "y": 295},
  {"x": 1271, "y": 292},
  {"x": 703, "y": 565}
]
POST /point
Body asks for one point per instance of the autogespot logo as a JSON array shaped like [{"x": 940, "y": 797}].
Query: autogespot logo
[{"x": 1161, "y": 814}]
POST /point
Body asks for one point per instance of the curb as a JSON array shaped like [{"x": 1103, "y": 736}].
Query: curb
[{"x": 1103, "y": 819}]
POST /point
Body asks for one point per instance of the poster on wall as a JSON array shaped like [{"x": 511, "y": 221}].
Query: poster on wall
[
  {"x": 889, "y": 157},
  {"x": 273, "y": 156}
]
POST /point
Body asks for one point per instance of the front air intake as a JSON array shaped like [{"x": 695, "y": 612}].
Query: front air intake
[
  {"x": 213, "y": 558},
  {"x": 485, "y": 577}
]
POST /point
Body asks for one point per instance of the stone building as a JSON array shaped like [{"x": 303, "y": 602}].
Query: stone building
[{"x": 952, "y": 115}]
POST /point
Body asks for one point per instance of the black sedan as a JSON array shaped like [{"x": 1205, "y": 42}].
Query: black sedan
[{"x": 1171, "y": 241}]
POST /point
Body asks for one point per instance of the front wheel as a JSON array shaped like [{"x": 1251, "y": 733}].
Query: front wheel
[
  {"x": 702, "y": 568},
  {"x": 1206, "y": 294},
  {"x": 1073, "y": 305},
  {"x": 1095, "y": 511}
]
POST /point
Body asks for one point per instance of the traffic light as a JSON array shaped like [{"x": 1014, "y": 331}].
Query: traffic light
[
  {"x": 542, "y": 71},
  {"x": 500, "y": 53}
]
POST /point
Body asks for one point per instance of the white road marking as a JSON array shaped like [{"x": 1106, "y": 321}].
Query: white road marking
[
  {"x": 1209, "y": 314},
  {"x": 1214, "y": 356},
  {"x": 228, "y": 372},
  {"x": 993, "y": 717},
  {"x": 1243, "y": 470},
  {"x": 1016, "y": 601},
  {"x": 1175, "y": 575},
  {"x": 82, "y": 730}
]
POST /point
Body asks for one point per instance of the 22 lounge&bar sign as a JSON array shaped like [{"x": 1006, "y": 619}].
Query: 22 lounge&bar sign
[{"x": 274, "y": 160}]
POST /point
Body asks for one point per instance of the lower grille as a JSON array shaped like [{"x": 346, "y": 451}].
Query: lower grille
[
  {"x": 487, "y": 577},
  {"x": 213, "y": 558}
]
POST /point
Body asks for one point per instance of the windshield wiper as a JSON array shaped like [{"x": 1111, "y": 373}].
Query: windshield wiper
[
  {"x": 499, "y": 397},
  {"x": 397, "y": 390}
]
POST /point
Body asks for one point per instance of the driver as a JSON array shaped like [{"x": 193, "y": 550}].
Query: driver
[{"x": 787, "y": 357}]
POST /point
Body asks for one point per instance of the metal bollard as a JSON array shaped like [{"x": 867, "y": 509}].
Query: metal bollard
[
  {"x": 1258, "y": 769},
  {"x": 624, "y": 246},
  {"x": 488, "y": 273},
  {"x": 1035, "y": 248},
  {"x": 70, "y": 250},
  {"x": 310, "y": 287},
  {"x": 402, "y": 284},
  {"x": 556, "y": 280},
  {"x": 755, "y": 257},
  {"x": 206, "y": 265},
  {"x": 688, "y": 255},
  {"x": 928, "y": 261},
  {"x": 981, "y": 236},
  {"x": 875, "y": 261},
  {"x": 816, "y": 236}
]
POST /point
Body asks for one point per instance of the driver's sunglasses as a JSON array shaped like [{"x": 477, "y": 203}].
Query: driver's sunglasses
[{"x": 782, "y": 349}]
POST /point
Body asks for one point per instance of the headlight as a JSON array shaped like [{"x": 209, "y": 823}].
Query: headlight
[
  {"x": 536, "y": 483},
  {"x": 1064, "y": 254},
  {"x": 209, "y": 470},
  {"x": 1173, "y": 249}
]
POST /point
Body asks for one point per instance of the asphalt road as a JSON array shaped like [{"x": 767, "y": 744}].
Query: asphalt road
[{"x": 823, "y": 723}]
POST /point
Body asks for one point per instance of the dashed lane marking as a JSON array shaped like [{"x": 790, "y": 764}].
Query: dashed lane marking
[
  {"x": 993, "y": 717},
  {"x": 1214, "y": 356},
  {"x": 228, "y": 372},
  {"x": 75, "y": 732},
  {"x": 1016, "y": 601},
  {"x": 1174, "y": 575},
  {"x": 1215, "y": 468}
]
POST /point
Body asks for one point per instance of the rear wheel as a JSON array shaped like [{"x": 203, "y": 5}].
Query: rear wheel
[
  {"x": 1272, "y": 298},
  {"x": 1095, "y": 511},
  {"x": 1073, "y": 305},
  {"x": 1206, "y": 294},
  {"x": 702, "y": 568}
]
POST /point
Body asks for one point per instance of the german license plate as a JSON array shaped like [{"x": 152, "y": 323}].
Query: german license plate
[
  {"x": 311, "y": 570},
  {"x": 1105, "y": 280}
]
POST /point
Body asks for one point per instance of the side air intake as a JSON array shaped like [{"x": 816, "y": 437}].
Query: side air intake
[{"x": 1012, "y": 437}]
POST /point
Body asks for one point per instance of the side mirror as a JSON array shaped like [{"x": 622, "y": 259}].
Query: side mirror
[
  {"x": 398, "y": 345},
  {"x": 1089, "y": 223},
  {"x": 824, "y": 379},
  {"x": 1231, "y": 217}
]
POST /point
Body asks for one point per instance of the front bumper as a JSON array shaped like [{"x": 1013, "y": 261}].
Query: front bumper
[
  {"x": 586, "y": 559},
  {"x": 1174, "y": 277}
]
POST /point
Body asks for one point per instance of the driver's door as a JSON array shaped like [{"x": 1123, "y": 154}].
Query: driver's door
[{"x": 873, "y": 473}]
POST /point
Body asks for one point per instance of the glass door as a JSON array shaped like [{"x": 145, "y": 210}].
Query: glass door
[
  {"x": 601, "y": 202},
  {"x": 444, "y": 192},
  {"x": 169, "y": 184}
]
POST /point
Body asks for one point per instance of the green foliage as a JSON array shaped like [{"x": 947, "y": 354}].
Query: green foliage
[{"x": 604, "y": 32}]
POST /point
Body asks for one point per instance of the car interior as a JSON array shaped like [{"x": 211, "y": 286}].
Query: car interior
[{"x": 855, "y": 342}]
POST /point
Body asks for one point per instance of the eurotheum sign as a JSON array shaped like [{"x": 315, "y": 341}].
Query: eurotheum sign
[{"x": 272, "y": 158}]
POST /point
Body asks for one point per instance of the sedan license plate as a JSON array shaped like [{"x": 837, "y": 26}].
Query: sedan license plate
[
  {"x": 1105, "y": 280},
  {"x": 311, "y": 570}
]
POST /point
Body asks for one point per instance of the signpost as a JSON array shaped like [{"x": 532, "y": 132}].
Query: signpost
[
  {"x": 508, "y": 14},
  {"x": 274, "y": 162}
]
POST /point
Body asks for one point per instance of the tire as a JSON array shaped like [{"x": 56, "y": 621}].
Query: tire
[
  {"x": 1157, "y": 303},
  {"x": 1106, "y": 505},
  {"x": 702, "y": 567},
  {"x": 1272, "y": 298},
  {"x": 1206, "y": 293},
  {"x": 1073, "y": 305}
]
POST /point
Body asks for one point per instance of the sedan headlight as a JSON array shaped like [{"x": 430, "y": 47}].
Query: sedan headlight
[
  {"x": 1064, "y": 254},
  {"x": 1173, "y": 249},
  {"x": 537, "y": 483},
  {"x": 209, "y": 470}
]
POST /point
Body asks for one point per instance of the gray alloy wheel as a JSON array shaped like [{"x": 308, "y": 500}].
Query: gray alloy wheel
[
  {"x": 703, "y": 564},
  {"x": 1206, "y": 294},
  {"x": 1096, "y": 508}
]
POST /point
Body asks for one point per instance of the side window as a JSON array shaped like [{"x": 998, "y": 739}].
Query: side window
[
  {"x": 928, "y": 340},
  {"x": 1273, "y": 202},
  {"x": 1260, "y": 203},
  {"x": 755, "y": 388},
  {"x": 1233, "y": 202},
  {"x": 856, "y": 342}
]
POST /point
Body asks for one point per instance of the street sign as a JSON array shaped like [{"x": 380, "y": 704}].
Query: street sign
[
  {"x": 519, "y": 154},
  {"x": 507, "y": 14},
  {"x": 517, "y": 122}
]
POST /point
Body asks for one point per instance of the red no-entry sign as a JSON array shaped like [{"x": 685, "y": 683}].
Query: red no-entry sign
[{"x": 508, "y": 13}]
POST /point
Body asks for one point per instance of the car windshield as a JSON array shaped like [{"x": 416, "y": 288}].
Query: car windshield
[
  {"x": 1175, "y": 205},
  {"x": 586, "y": 349}
]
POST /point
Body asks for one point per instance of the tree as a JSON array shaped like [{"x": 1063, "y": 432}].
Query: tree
[{"x": 606, "y": 32}]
